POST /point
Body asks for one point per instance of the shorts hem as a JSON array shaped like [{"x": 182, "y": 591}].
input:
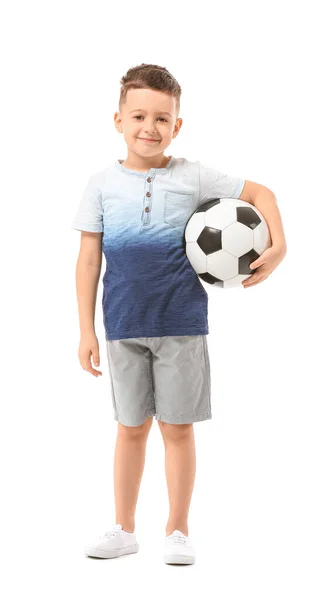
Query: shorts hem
[
  {"x": 184, "y": 419},
  {"x": 149, "y": 414}
]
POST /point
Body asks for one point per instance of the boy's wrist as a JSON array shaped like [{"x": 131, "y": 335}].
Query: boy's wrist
[
  {"x": 87, "y": 331},
  {"x": 280, "y": 247}
]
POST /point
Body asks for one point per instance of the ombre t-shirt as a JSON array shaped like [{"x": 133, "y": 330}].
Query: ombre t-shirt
[{"x": 149, "y": 286}]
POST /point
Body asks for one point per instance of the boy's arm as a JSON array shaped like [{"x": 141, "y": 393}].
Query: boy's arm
[
  {"x": 265, "y": 201},
  {"x": 88, "y": 270}
]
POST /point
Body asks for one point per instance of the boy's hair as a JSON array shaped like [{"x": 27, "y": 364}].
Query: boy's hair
[{"x": 152, "y": 77}]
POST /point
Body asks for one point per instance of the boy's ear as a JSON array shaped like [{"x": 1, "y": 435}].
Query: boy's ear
[
  {"x": 118, "y": 121},
  {"x": 177, "y": 126}
]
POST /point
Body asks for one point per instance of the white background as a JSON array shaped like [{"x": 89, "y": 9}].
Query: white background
[{"x": 253, "y": 102}]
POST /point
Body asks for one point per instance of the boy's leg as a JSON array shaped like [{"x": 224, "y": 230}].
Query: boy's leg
[
  {"x": 180, "y": 467},
  {"x": 129, "y": 461}
]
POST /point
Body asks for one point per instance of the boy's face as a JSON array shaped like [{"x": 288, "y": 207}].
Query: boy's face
[{"x": 142, "y": 116}]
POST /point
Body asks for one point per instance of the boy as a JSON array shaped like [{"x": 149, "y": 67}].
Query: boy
[{"x": 154, "y": 306}]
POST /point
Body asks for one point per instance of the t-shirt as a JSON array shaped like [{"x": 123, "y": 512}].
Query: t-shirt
[{"x": 149, "y": 287}]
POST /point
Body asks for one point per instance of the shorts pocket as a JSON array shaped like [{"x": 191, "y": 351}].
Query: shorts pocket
[{"x": 177, "y": 208}]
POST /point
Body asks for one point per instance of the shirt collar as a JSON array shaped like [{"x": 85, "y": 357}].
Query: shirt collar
[{"x": 151, "y": 171}]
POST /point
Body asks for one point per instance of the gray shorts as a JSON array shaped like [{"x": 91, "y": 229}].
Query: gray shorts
[{"x": 166, "y": 377}]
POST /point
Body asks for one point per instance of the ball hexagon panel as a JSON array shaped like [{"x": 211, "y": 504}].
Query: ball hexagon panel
[
  {"x": 220, "y": 216},
  {"x": 237, "y": 239},
  {"x": 222, "y": 265}
]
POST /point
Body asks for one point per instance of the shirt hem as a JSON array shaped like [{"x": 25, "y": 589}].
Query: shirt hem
[{"x": 203, "y": 330}]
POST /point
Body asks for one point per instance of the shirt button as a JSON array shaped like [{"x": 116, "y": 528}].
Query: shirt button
[
  {"x": 149, "y": 179},
  {"x": 148, "y": 194},
  {"x": 147, "y": 209}
]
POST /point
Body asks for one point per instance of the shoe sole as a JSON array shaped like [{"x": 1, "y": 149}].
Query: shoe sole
[
  {"x": 173, "y": 559},
  {"x": 111, "y": 553}
]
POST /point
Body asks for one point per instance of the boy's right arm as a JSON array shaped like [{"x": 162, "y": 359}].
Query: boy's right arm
[{"x": 88, "y": 270}]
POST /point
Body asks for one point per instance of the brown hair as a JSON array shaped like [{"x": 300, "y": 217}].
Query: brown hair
[{"x": 152, "y": 77}]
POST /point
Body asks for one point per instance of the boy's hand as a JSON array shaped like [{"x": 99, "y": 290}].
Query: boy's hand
[
  {"x": 89, "y": 347},
  {"x": 266, "y": 263}
]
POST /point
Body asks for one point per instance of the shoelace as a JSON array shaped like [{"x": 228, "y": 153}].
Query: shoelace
[
  {"x": 177, "y": 539},
  {"x": 111, "y": 533}
]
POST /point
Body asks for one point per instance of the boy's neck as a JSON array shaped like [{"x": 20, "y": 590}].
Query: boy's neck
[{"x": 136, "y": 163}]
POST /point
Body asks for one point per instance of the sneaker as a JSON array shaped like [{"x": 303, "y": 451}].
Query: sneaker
[
  {"x": 113, "y": 543},
  {"x": 178, "y": 549}
]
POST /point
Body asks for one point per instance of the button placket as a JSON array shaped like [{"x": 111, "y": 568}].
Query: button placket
[{"x": 148, "y": 203}]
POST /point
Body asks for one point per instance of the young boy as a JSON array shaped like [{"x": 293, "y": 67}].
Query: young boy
[{"x": 154, "y": 305}]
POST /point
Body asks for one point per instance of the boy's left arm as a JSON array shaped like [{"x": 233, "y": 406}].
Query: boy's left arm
[{"x": 265, "y": 201}]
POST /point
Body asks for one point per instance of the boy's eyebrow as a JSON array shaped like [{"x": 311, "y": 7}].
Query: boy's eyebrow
[{"x": 158, "y": 111}]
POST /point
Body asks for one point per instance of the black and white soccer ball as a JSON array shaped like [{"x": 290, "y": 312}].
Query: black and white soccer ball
[{"x": 222, "y": 238}]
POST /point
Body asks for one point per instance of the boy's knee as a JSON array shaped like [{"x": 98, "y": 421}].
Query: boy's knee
[
  {"x": 137, "y": 431},
  {"x": 175, "y": 431}
]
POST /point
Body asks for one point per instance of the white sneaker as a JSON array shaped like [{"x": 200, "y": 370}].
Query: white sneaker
[
  {"x": 178, "y": 549},
  {"x": 113, "y": 543}
]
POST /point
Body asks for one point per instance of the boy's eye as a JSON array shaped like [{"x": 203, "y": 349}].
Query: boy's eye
[{"x": 137, "y": 117}]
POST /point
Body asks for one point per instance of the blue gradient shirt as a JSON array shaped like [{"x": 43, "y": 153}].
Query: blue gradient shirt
[{"x": 149, "y": 287}]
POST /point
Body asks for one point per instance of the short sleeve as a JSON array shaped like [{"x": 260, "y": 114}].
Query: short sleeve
[
  {"x": 214, "y": 184},
  {"x": 89, "y": 215}
]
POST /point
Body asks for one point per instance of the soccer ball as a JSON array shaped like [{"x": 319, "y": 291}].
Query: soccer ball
[{"x": 222, "y": 238}]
